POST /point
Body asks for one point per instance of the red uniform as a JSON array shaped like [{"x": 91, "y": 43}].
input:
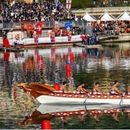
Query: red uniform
[{"x": 6, "y": 43}]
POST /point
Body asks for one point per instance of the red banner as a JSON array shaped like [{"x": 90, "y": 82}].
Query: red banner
[{"x": 68, "y": 4}]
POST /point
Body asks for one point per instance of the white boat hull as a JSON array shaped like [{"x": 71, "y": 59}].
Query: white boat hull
[
  {"x": 46, "y": 99},
  {"x": 50, "y": 108}
]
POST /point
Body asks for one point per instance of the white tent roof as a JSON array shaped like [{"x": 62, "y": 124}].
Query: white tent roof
[
  {"x": 89, "y": 18},
  {"x": 106, "y": 17},
  {"x": 125, "y": 16}
]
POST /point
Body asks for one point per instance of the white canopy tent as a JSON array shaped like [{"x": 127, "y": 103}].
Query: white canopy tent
[
  {"x": 89, "y": 18},
  {"x": 107, "y": 17},
  {"x": 124, "y": 17}
]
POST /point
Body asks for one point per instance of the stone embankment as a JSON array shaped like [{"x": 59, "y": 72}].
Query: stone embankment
[{"x": 123, "y": 37}]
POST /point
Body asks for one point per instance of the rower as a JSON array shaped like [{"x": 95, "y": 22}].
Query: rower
[
  {"x": 114, "y": 89},
  {"x": 96, "y": 90},
  {"x": 128, "y": 90},
  {"x": 64, "y": 86},
  {"x": 81, "y": 88}
]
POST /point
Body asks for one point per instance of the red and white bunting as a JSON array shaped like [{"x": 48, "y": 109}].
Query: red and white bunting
[{"x": 68, "y": 4}]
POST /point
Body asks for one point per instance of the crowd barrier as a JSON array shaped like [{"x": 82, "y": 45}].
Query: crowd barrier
[{"x": 27, "y": 41}]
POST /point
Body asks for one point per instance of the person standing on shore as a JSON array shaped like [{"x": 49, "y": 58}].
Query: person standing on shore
[{"x": 6, "y": 42}]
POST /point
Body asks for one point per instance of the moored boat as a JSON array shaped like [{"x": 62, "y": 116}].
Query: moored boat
[{"x": 46, "y": 94}]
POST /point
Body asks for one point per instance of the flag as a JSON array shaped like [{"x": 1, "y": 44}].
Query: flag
[
  {"x": 56, "y": 2},
  {"x": 68, "y": 4}
]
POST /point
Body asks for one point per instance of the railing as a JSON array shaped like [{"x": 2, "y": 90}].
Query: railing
[
  {"x": 47, "y": 24},
  {"x": 60, "y": 39}
]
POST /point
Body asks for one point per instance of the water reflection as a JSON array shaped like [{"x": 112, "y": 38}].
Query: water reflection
[
  {"x": 50, "y": 66},
  {"x": 65, "y": 114},
  {"x": 56, "y": 65}
]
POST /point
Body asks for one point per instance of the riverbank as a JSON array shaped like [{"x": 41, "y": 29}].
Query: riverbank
[
  {"x": 122, "y": 37},
  {"x": 45, "y": 42}
]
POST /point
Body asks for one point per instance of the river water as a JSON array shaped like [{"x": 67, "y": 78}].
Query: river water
[{"x": 104, "y": 64}]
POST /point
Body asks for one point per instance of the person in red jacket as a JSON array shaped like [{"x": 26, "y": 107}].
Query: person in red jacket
[{"x": 6, "y": 42}]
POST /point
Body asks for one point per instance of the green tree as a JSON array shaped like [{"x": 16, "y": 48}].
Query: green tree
[{"x": 80, "y": 3}]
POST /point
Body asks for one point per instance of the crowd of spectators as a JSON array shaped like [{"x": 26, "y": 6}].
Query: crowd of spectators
[
  {"x": 111, "y": 28},
  {"x": 47, "y": 11}
]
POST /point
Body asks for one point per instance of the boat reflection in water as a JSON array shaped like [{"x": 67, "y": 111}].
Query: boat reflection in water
[
  {"x": 48, "y": 66},
  {"x": 64, "y": 113}
]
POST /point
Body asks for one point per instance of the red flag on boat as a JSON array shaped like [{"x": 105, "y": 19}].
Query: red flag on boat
[
  {"x": 68, "y": 70},
  {"x": 68, "y": 4}
]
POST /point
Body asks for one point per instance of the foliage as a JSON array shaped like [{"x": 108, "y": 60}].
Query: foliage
[{"x": 80, "y": 3}]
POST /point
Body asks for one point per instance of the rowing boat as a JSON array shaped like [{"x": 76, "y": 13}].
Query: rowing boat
[
  {"x": 83, "y": 99},
  {"x": 46, "y": 94},
  {"x": 53, "y": 108}
]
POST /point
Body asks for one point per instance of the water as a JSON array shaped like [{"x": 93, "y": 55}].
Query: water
[{"x": 49, "y": 65}]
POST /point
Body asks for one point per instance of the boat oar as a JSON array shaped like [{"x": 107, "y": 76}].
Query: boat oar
[
  {"x": 121, "y": 101},
  {"x": 87, "y": 96}
]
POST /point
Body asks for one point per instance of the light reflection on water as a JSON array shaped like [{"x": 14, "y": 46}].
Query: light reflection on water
[{"x": 49, "y": 65}]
